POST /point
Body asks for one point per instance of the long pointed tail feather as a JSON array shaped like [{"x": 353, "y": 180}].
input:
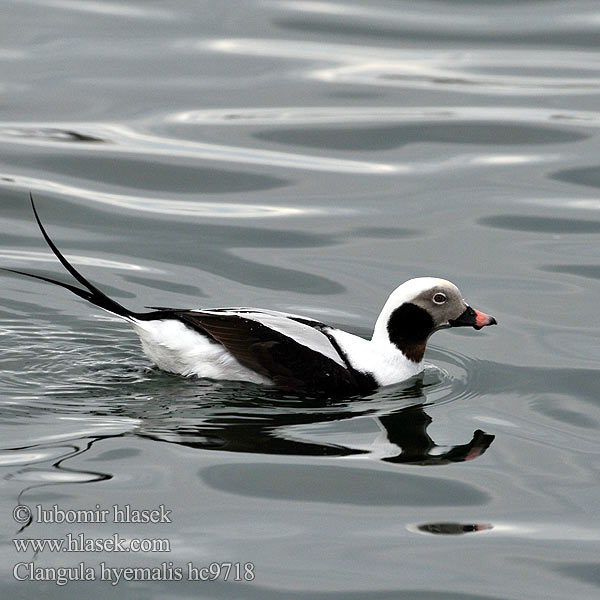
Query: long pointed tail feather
[{"x": 91, "y": 294}]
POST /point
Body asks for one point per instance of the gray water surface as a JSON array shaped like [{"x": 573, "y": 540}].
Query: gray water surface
[{"x": 306, "y": 157}]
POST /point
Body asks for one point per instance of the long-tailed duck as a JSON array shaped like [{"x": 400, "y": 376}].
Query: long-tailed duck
[{"x": 286, "y": 350}]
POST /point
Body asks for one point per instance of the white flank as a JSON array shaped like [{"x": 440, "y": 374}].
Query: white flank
[{"x": 174, "y": 347}]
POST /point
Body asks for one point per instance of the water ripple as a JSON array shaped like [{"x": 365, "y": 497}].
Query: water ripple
[
  {"x": 307, "y": 115},
  {"x": 405, "y": 16},
  {"x": 55, "y": 476},
  {"x": 126, "y": 140},
  {"x": 457, "y": 18},
  {"x": 32, "y": 256},
  {"x": 558, "y": 225},
  {"x": 164, "y": 206},
  {"x": 484, "y": 71},
  {"x": 31, "y": 455},
  {"x": 112, "y": 9}
]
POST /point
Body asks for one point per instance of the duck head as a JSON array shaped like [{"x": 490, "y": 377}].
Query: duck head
[{"x": 418, "y": 308}]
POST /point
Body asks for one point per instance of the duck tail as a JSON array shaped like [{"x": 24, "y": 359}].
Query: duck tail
[{"x": 91, "y": 293}]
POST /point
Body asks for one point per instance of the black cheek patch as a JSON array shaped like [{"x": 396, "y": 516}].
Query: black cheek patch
[{"x": 409, "y": 327}]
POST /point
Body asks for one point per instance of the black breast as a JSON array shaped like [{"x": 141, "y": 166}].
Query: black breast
[{"x": 408, "y": 328}]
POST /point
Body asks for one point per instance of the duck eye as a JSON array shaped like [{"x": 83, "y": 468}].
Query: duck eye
[{"x": 439, "y": 298}]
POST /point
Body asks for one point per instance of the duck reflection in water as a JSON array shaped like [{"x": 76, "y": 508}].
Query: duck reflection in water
[
  {"x": 234, "y": 419},
  {"x": 279, "y": 426}
]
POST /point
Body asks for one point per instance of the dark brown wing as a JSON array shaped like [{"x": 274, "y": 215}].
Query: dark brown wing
[{"x": 290, "y": 364}]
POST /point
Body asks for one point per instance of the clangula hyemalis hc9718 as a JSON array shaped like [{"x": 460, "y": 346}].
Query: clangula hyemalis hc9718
[{"x": 289, "y": 351}]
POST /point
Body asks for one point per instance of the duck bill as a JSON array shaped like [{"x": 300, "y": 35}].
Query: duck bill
[{"x": 473, "y": 318}]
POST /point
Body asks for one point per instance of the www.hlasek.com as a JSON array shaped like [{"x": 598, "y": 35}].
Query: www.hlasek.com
[{"x": 79, "y": 542}]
